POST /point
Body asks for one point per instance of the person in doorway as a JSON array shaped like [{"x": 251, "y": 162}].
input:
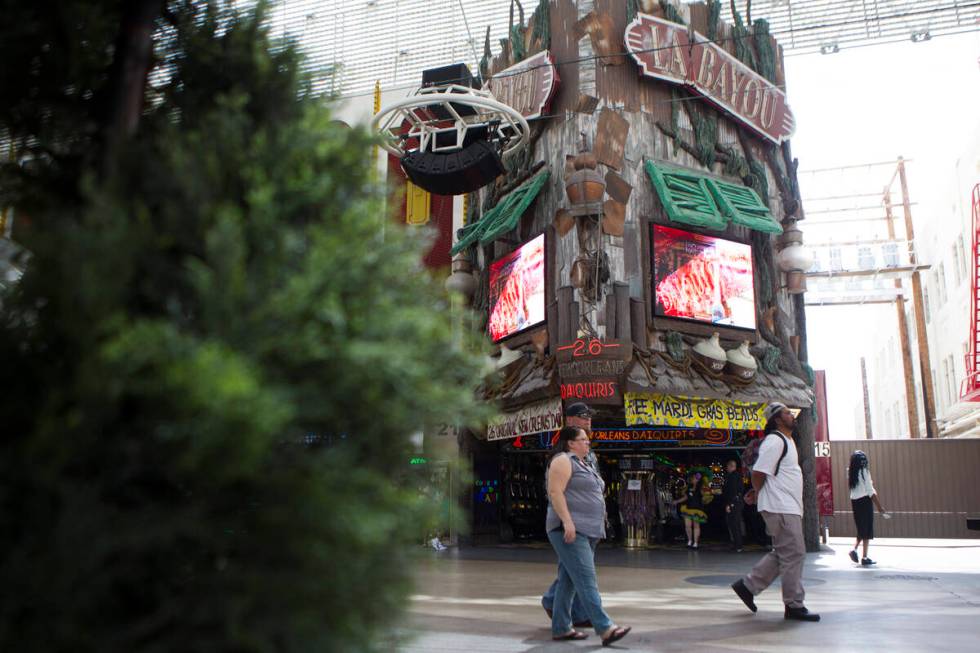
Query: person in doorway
[
  {"x": 578, "y": 415},
  {"x": 777, "y": 485},
  {"x": 731, "y": 496},
  {"x": 862, "y": 496},
  {"x": 692, "y": 510},
  {"x": 575, "y": 523}
]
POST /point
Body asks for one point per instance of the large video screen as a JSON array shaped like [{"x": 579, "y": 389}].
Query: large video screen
[
  {"x": 517, "y": 290},
  {"x": 702, "y": 278}
]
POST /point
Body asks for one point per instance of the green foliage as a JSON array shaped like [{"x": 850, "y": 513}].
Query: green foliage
[
  {"x": 190, "y": 314},
  {"x": 632, "y": 9},
  {"x": 541, "y": 21},
  {"x": 743, "y": 49},
  {"x": 763, "y": 45},
  {"x": 670, "y": 12},
  {"x": 705, "y": 123},
  {"x": 714, "y": 18}
]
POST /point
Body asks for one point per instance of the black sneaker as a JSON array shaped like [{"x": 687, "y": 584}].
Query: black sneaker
[
  {"x": 800, "y": 614},
  {"x": 867, "y": 562},
  {"x": 853, "y": 555},
  {"x": 744, "y": 594}
]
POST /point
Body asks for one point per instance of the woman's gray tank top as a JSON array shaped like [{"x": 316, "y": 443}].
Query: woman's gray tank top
[{"x": 583, "y": 494}]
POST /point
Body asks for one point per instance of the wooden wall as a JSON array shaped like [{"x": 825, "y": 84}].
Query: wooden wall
[{"x": 929, "y": 486}]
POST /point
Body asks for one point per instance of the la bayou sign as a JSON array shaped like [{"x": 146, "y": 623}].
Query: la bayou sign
[{"x": 665, "y": 50}]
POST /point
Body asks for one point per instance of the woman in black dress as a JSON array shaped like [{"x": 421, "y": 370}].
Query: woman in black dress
[{"x": 862, "y": 496}]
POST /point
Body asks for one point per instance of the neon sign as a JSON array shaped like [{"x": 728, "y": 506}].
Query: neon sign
[{"x": 594, "y": 347}]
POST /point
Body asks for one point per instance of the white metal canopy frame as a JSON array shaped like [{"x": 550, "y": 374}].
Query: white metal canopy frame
[{"x": 504, "y": 124}]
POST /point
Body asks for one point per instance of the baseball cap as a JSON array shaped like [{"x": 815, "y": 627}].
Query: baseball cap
[
  {"x": 773, "y": 409},
  {"x": 578, "y": 409}
]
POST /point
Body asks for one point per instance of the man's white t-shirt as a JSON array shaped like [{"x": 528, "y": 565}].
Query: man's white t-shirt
[{"x": 782, "y": 492}]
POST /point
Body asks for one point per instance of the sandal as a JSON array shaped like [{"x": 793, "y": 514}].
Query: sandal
[
  {"x": 571, "y": 636},
  {"x": 617, "y": 634}
]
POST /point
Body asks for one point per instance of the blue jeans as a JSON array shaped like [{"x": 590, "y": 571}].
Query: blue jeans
[
  {"x": 576, "y": 576},
  {"x": 548, "y": 602}
]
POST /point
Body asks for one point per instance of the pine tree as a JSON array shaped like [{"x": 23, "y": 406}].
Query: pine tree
[{"x": 207, "y": 290}]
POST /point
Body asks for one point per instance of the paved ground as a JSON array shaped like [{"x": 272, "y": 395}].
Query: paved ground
[{"x": 924, "y": 595}]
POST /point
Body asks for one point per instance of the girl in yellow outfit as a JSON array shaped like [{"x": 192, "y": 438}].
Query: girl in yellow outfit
[{"x": 692, "y": 510}]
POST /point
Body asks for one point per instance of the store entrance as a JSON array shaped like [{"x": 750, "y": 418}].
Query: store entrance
[{"x": 641, "y": 486}]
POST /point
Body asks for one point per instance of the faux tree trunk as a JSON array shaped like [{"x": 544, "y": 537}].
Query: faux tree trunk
[{"x": 805, "y": 444}]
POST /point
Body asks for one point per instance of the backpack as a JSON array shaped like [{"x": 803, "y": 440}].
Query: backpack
[{"x": 751, "y": 453}]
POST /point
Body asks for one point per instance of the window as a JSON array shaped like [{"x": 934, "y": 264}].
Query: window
[
  {"x": 963, "y": 259},
  {"x": 836, "y": 264},
  {"x": 898, "y": 420},
  {"x": 945, "y": 388},
  {"x": 935, "y": 389},
  {"x": 925, "y": 304},
  {"x": 957, "y": 269},
  {"x": 954, "y": 389},
  {"x": 941, "y": 282},
  {"x": 866, "y": 259},
  {"x": 890, "y": 251}
]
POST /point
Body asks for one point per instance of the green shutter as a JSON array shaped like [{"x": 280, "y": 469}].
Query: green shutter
[
  {"x": 685, "y": 197},
  {"x": 503, "y": 217},
  {"x": 742, "y": 205}
]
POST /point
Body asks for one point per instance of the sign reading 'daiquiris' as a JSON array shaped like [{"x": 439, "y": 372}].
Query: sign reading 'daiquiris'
[
  {"x": 539, "y": 417},
  {"x": 665, "y": 51},
  {"x": 693, "y": 412}
]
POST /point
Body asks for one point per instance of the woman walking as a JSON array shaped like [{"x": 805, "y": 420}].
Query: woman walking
[
  {"x": 862, "y": 496},
  {"x": 575, "y": 523}
]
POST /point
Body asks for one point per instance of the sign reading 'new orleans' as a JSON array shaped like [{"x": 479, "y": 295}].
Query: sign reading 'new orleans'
[
  {"x": 541, "y": 417},
  {"x": 665, "y": 51},
  {"x": 592, "y": 369}
]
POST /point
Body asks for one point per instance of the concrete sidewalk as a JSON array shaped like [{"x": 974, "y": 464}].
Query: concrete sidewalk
[{"x": 924, "y": 595}]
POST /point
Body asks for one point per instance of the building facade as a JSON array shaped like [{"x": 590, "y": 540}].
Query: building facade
[{"x": 944, "y": 240}]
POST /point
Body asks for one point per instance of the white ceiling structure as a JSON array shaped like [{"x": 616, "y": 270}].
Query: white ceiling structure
[{"x": 351, "y": 44}]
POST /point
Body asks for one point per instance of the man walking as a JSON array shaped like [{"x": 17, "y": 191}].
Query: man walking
[
  {"x": 731, "y": 495},
  {"x": 777, "y": 481},
  {"x": 580, "y": 416}
]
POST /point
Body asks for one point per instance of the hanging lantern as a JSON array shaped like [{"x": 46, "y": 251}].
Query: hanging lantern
[
  {"x": 794, "y": 259},
  {"x": 585, "y": 187},
  {"x": 461, "y": 280}
]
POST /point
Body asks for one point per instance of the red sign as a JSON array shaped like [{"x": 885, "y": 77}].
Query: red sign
[
  {"x": 821, "y": 438},
  {"x": 605, "y": 391},
  {"x": 665, "y": 51},
  {"x": 591, "y": 369},
  {"x": 527, "y": 86}
]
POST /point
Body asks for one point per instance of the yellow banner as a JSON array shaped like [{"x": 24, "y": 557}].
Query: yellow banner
[{"x": 667, "y": 410}]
